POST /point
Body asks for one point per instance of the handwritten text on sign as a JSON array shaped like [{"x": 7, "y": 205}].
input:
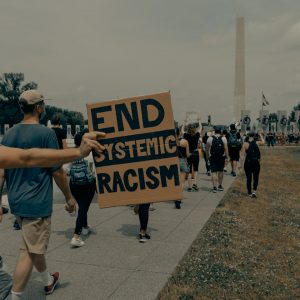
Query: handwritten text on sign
[{"x": 140, "y": 164}]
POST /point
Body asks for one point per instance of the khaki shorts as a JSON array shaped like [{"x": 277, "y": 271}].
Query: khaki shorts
[{"x": 35, "y": 234}]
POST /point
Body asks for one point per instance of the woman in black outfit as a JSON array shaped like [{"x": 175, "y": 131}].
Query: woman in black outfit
[
  {"x": 252, "y": 161},
  {"x": 192, "y": 136}
]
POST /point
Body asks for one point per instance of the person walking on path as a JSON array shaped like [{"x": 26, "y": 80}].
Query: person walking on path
[
  {"x": 144, "y": 218},
  {"x": 251, "y": 155},
  {"x": 60, "y": 133},
  {"x": 35, "y": 157},
  {"x": 234, "y": 147},
  {"x": 33, "y": 208},
  {"x": 193, "y": 136},
  {"x": 204, "y": 141},
  {"x": 217, "y": 152},
  {"x": 183, "y": 154},
  {"x": 83, "y": 187}
]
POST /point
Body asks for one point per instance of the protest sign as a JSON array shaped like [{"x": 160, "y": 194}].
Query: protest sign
[{"x": 140, "y": 164}]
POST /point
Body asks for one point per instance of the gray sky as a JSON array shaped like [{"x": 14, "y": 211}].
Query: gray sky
[{"x": 94, "y": 50}]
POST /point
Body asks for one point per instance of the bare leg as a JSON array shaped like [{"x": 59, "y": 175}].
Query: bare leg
[
  {"x": 22, "y": 272},
  {"x": 220, "y": 178},
  {"x": 234, "y": 165},
  {"x": 39, "y": 261},
  {"x": 214, "y": 178}
]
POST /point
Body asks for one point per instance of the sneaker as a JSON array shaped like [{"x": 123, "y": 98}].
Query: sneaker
[
  {"x": 189, "y": 189},
  {"x": 143, "y": 238},
  {"x": 86, "y": 230},
  {"x": 254, "y": 195},
  {"x": 233, "y": 174},
  {"x": 147, "y": 236},
  {"x": 208, "y": 173},
  {"x": 77, "y": 242},
  {"x": 178, "y": 204},
  {"x": 195, "y": 187},
  {"x": 16, "y": 225},
  {"x": 220, "y": 188},
  {"x": 152, "y": 208},
  {"x": 49, "y": 289},
  {"x": 214, "y": 190},
  {"x": 5, "y": 210}
]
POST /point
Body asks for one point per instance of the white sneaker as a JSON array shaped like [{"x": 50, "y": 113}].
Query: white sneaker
[
  {"x": 86, "y": 230},
  {"x": 77, "y": 242}
]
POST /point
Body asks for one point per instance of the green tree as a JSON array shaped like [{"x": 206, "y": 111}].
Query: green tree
[
  {"x": 292, "y": 116},
  {"x": 10, "y": 90}
]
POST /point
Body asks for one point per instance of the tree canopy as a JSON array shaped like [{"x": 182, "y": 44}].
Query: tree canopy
[{"x": 11, "y": 87}]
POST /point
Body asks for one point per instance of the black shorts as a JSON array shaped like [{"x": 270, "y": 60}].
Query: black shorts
[
  {"x": 217, "y": 164},
  {"x": 193, "y": 161},
  {"x": 234, "y": 153}
]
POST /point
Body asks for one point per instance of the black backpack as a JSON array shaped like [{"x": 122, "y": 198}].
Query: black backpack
[
  {"x": 233, "y": 141},
  {"x": 253, "y": 153},
  {"x": 217, "y": 147}
]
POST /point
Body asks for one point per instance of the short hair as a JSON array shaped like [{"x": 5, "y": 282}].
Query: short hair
[
  {"x": 218, "y": 130},
  {"x": 232, "y": 126},
  {"x": 27, "y": 109},
  {"x": 55, "y": 120}
]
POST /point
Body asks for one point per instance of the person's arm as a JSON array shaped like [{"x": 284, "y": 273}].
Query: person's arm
[
  {"x": 34, "y": 157},
  {"x": 243, "y": 154},
  {"x": 226, "y": 149},
  {"x": 64, "y": 144},
  {"x": 61, "y": 180},
  {"x": 2, "y": 180},
  {"x": 184, "y": 143},
  {"x": 262, "y": 140},
  {"x": 207, "y": 148}
]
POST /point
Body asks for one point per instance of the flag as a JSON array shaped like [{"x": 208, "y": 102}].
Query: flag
[{"x": 264, "y": 100}]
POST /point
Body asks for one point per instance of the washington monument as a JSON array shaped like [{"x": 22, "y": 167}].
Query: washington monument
[{"x": 239, "y": 86}]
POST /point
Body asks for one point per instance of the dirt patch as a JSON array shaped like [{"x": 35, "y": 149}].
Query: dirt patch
[{"x": 249, "y": 248}]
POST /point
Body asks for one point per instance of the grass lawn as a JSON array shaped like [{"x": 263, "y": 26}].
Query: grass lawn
[{"x": 249, "y": 248}]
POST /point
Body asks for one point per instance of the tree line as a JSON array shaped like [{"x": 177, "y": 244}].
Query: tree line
[{"x": 11, "y": 87}]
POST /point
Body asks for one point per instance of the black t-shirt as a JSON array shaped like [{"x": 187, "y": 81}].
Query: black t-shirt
[
  {"x": 61, "y": 134},
  {"x": 192, "y": 140}
]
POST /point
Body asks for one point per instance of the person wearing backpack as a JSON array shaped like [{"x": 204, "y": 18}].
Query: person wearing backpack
[
  {"x": 251, "y": 154},
  {"x": 83, "y": 187},
  {"x": 234, "y": 147},
  {"x": 217, "y": 152}
]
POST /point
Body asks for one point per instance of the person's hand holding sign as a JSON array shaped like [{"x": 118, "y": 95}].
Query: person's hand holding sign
[{"x": 90, "y": 142}]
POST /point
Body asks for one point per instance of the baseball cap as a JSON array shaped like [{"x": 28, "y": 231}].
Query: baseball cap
[{"x": 31, "y": 97}]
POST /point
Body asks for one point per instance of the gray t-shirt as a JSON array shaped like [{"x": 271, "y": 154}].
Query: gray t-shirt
[{"x": 30, "y": 190}]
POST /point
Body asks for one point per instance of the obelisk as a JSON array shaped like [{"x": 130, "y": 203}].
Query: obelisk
[{"x": 239, "y": 87}]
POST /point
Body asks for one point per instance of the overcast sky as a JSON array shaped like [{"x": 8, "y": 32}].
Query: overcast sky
[{"x": 88, "y": 51}]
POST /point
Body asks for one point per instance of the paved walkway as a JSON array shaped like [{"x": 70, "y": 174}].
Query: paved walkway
[{"x": 113, "y": 264}]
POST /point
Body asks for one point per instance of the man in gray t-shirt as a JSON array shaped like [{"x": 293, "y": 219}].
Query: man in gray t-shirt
[{"x": 30, "y": 194}]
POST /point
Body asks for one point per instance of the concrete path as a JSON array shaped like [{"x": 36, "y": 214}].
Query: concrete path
[{"x": 113, "y": 264}]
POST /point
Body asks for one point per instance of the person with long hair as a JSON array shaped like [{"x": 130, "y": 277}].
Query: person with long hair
[
  {"x": 183, "y": 154},
  {"x": 251, "y": 155},
  {"x": 193, "y": 137}
]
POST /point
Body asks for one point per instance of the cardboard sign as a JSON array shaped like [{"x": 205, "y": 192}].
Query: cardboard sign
[{"x": 141, "y": 163}]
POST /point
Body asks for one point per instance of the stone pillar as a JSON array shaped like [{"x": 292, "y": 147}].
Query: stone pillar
[
  {"x": 69, "y": 132},
  {"x": 245, "y": 120},
  {"x": 282, "y": 121},
  {"x": 6, "y": 127},
  {"x": 297, "y": 118},
  {"x": 239, "y": 84},
  {"x": 77, "y": 128},
  {"x": 264, "y": 120}
]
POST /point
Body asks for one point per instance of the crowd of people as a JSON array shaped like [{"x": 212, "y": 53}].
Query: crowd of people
[{"x": 32, "y": 155}]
